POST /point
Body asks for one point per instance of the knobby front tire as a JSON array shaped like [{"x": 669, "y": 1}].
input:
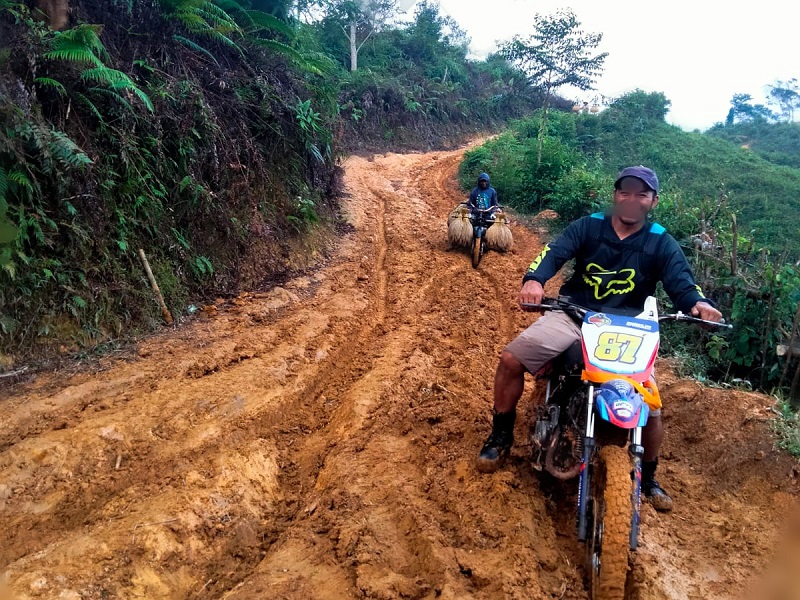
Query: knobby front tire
[{"x": 615, "y": 463}]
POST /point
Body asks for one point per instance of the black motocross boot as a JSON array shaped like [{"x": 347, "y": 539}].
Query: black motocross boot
[
  {"x": 652, "y": 491},
  {"x": 498, "y": 445}
]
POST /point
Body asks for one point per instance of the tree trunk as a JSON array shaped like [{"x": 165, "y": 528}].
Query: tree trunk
[
  {"x": 542, "y": 129},
  {"x": 353, "y": 46},
  {"x": 55, "y": 12}
]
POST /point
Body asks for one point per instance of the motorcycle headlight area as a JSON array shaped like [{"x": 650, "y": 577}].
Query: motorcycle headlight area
[{"x": 618, "y": 402}]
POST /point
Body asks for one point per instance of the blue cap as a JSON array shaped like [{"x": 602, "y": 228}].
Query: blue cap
[{"x": 647, "y": 175}]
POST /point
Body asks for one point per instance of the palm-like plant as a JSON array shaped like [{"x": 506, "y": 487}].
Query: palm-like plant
[
  {"x": 82, "y": 47},
  {"x": 233, "y": 23}
]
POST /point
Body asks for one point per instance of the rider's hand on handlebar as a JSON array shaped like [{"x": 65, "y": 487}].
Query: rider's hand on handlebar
[
  {"x": 703, "y": 310},
  {"x": 532, "y": 293}
]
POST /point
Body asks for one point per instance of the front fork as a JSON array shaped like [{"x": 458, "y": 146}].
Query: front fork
[
  {"x": 637, "y": 452},
  {"x": 586, "y": 459},
  {"x": 589, "y": 445}
]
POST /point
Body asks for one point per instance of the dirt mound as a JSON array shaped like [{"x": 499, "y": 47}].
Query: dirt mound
[{"x": 319, "y": 442}]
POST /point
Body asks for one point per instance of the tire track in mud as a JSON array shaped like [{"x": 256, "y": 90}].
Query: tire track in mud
[
  {"x": 383, "y": 276},
  {"x": 341, "y": 357},
  {"x": 318, "y": 441}
]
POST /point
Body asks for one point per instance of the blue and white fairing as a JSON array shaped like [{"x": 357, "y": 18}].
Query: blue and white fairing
[{"x": 620, "y": 404}]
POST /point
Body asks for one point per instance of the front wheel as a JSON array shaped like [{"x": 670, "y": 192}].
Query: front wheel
[
  {"x": 477, "y": 251},
  {"x": 612, "y": 517}
]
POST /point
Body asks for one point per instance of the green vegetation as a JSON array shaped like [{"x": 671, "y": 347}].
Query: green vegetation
[
  {"x": 205, "y": 132},
  {"x": 787, "y": 429},
  {"x": 173, "y": 155},
  {"x": 558, "y": 53},
  {"x": 735, "y": 211},
  {"x": 414, "y": 85},
  {"x": 778, "y": 143}
]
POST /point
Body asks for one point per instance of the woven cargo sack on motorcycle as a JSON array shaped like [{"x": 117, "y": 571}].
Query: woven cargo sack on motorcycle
[
  {"x": 498, "y": 236},
  {"x": 459, "y": 227}
]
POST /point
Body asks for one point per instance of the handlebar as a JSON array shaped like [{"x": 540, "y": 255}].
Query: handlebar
[
  {"x": 475, "y": 209},
  {"x": 556, "y": 304},
  {"x": 679, "y": 316},
  {"x": 569, "y": 307}
]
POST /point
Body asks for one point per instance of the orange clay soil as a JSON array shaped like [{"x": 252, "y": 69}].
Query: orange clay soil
[{"x": 318, "y": 442}]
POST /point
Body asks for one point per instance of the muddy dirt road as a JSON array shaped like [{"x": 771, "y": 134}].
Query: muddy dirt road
[{"x": 318, "y": 441}]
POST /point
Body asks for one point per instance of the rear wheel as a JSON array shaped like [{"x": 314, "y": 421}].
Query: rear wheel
[
  {"x": 477, "y": 247},
  {"x": 612, "y": 512}
]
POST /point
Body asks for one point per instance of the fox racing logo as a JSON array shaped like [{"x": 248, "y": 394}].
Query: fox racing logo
[
  {"x": 538, "y": 260},
  {"x": 606, "y": 283}
]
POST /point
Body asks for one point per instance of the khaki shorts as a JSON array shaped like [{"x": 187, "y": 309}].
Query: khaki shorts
[{"x": 548, "y": 337}]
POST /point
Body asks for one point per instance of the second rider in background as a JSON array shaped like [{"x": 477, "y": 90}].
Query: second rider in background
[{"x": 483, "y": 196}]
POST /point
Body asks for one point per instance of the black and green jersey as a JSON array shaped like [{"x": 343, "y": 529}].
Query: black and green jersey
[{"x": 617, "y": 274}]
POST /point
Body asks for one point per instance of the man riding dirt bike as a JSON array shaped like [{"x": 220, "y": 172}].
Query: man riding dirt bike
[{"x": 620, "y": 257}]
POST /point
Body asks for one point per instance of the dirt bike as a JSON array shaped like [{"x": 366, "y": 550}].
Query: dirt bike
[
  {"x": 597, "y": 400},
  {"x": 481, "y": 221}
]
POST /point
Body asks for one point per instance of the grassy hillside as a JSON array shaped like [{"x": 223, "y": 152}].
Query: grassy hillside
[
  {"x": 584, "y": 152},
  {"x": 735, "y": 212},
  {"x": 779, "y": 143}
]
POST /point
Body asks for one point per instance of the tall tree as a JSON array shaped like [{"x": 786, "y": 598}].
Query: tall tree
[
  {"x": 359, "y": 20},
  {"x": 786, "y": 96},
  {"x": 558, "y": 53},
  {"x": 743, "y": 110}
]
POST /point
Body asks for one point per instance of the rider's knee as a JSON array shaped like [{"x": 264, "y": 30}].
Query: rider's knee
[{"x": 511, "y": 364}]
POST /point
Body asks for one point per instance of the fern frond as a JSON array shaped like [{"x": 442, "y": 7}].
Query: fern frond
[
  {"x": 117, "y": 80},
  {"x": 271, "y": 23},
  {"x": 215, "y": 14},
  {"x": 136, "y": 91},
  {"x": 114, "y": 95},
  {"x": 19, "y": 178},
  {"x": 106, "y": 76},
  {"x": 90, "y": 35},
  {"x": 192, "y": 21},
  {"x": 291, "y": 53},
  {"x": 92, "y": 108},
  {"x": 81, "y": 39},
  {"x": 223, "y": 39},
  {"x": 232, "y": 6},
  {"x": 48, "y": 82},
  {"x": 67, "y": 151},
  {"x": 74, "y": 54},
  {"x": 194, "y": 46}
]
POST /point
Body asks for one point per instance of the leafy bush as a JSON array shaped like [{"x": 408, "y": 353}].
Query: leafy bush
[
  {"x": 416, "y": 85},
  {"x": 196, "y": 152}
]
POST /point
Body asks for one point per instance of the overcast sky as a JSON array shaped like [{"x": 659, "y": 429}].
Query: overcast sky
[{"x": 699, "y": 53}]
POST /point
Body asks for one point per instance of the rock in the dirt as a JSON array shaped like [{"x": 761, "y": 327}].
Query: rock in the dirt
[
  {"x": 111, "y": 433},
  {"x": 6, "y": 362},
  {"x": 278, "y": 298}
]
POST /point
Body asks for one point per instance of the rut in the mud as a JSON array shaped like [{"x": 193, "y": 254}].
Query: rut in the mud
[{"x": 318, "y": 442}]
